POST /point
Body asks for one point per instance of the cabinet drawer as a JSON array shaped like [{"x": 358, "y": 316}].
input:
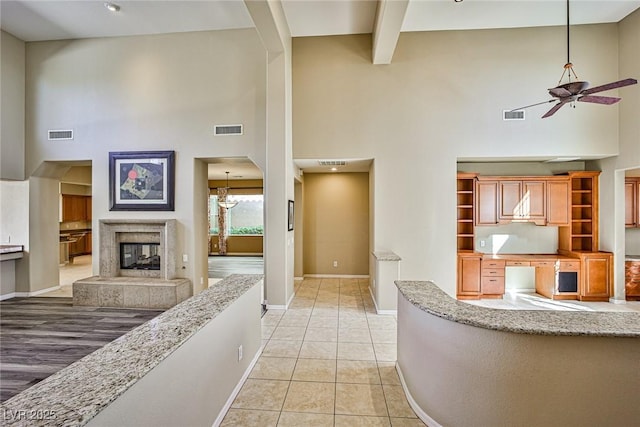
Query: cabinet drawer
[
  {"x": 492, "y": 285},
  {"x": 493, "y": 263},
  {"x": 543, "y": 263},
  {"x": 490, "y": 272},
  {"x": 518, "y": 263},
  {"x": 569, "y": 265}
]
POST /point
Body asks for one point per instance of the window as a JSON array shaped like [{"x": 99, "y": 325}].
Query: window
[{"x": 245, "y": 218}]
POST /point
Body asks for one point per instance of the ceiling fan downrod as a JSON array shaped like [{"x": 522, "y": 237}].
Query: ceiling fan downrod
[{"x": 568, "y": 67}]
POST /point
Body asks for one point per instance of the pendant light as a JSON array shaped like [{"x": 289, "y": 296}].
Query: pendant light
[{"x": 227, "y": 204}]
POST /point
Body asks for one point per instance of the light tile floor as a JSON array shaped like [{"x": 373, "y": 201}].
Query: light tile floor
[{"x": 327, "y": 361}]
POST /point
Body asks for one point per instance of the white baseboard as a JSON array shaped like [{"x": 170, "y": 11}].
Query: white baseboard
[
  {"x": 280, "y": 306},
  {"x": 298, "y": 278},
  {"x": 414, "y": 405},
  {"x": 522, "y": 290},
  {"x": 29, "y": 294},
  {"x": 617, "y": 301},
  {"x": 7, "y": 296},
  {"x": 375, "y": 305},
  {"x": 236, "y": 390},
  {"x": 337, "y": 276}
]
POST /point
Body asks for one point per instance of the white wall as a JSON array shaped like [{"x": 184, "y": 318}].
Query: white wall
[
  {"x": 613, "y": 237},
  {"x": 191, "y": 386},
  {"x": 441, "y": 100},
  {"x": 12, "y": 75},
  {"x": 161, "y": 92},
  {"x": 517, "y": 238}
]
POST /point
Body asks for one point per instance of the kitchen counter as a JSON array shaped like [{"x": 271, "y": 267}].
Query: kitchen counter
[
  {"x": 527, "y": 257},
  {"x": 429, "y": 298},
  {"x": 10, "y": 252}
]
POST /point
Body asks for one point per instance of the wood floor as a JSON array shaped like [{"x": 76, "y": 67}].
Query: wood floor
[
  {"x": 222, "y": 266},
  {"x": 40, "y": 336}
]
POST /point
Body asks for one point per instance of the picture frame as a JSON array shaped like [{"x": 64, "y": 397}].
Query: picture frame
[
  {"x": 141, "y": 180},
  {"x": 290, "y": 212}
]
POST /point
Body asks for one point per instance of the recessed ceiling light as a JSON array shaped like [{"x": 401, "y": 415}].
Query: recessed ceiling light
[{"x": 112, "y": 7}]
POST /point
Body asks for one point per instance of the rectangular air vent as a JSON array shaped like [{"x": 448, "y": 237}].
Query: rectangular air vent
[
  {"x": 57, "y": 135},
  {"x": 513, "y": 115},
  {"x": 332, "y": 162},
  {"x": 228, "y": 130}
]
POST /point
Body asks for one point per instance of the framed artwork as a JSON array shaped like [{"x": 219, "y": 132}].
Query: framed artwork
[
  {"x": 141, "y": 181},
  {"x": 290, "y": 216}
]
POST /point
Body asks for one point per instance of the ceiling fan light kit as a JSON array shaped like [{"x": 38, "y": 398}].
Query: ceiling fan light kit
[{"x": 576, "y": 90}]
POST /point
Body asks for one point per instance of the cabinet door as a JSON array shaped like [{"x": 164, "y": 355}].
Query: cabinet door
[
  {"x": 87, "y": 243},
  {"x": 638, "y": 203},
  {"x": 468, "y": 276},
  {"x": 67, "y": 208},
  {"x": 596, "y": 276},
  {"x": 509, "y": 199},
  {"x": 532, "y": 202},
  {"x": 630, "y": 204},
  {"x": 487, "y": 203},
  {"x": 558, "y": 212},
  {"x": 88, "y": 207}
]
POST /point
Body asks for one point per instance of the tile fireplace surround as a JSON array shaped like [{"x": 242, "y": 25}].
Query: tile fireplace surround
[{"x": 134, "y": 288}]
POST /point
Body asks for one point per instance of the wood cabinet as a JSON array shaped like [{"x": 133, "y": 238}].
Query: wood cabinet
[
  {"x": 596, "y": 276},
  {"x": 522, "y": 200},
  {"x": 465, "y": 207},
  {"x": 469, "y": 266},
  {"x": 492, "y": 278},
  {"x": 558, "y": 211},
  {"x": 486, "y": 202},
  {"x": 582, "y": 233},
  {"x": 76, "y": 208},
  {"x": 631, "y": 202},
  {"x": 88, "y": 242},
  {"x": 632, "y": 280}
]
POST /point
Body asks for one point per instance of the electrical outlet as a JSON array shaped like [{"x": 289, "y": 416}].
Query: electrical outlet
[
  {"x": 185, "y": 258},
  {"x": 483, "y": 243},
  {"x": 335, "y": 263},
  {"x": 240, "y": 353}
]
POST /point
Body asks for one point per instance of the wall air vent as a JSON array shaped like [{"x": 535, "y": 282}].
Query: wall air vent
[
  {"x": 513, "y": 115},
  {"x": 332, "y": 162},
  {"x": 58, "y": 135},
  {"x": 221, "y": 130}
]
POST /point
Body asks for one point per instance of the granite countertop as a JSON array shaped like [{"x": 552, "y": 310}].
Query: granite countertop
[
  {"x": 8, "y": 249},
  {"x": 81, "y": 390},
  {"x": 431, "y": 299}
]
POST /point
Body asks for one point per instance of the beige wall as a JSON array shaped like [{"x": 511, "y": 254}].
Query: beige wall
[
  {"x": 161, "y": 92},
  {"x": 613, "y": 236},
  {"x": 336, "y": 223},
  {"x": 238, "y": 244},
  {"x": 440, "y": 101},
  {"x": 12, "y": 75}
]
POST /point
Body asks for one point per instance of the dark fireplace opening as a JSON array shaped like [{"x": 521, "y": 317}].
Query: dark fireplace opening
[{"x": 139, "y": 256}]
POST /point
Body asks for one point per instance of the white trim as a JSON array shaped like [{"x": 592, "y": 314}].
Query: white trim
[
  {"x": 337, "y": 276},
  {"x": 236, "y": 390},
  {"x": 31, "y": 294},
  {"x": 298, "y": 278},
  {"x": 414, "y": 405},
  {"x": 290, "y": 300},
  {"x": 7, "y": 296},
  {"x": 276, "y": 307},
  {"x": 378, "y": 311},
  {"x": 617, "y": 301}
]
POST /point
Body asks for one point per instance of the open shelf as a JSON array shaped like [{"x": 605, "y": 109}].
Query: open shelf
[{"x": 465, "y": 208}]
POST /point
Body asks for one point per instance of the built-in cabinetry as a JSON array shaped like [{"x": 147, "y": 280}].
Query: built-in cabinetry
[
  {"x": 582, "y": 234},
  {"x": 632, "y": 202},
  {"x": 76, "y": 208},
  {"x": 568, "y": 201},
  {"x": 465, "y": 203},
  {"x": 632, "y": 279}
]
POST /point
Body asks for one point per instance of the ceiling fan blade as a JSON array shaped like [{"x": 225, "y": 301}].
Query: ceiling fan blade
[
  {"x": 607, "y": 100},
  {"x": 533, "y": 105},
  {"x": 609, "y": 86},
  {"x": 553, "y": 110}
]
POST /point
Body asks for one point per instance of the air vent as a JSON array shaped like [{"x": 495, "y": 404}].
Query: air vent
[
  {"x": 332, "y": 162},
  {"x": 228, "y": 130},
  {"x": 57, "y": 135},
  {"x": 513, "y": 115}
]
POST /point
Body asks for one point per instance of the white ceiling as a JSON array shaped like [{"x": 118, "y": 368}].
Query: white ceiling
[
  {"x": 38, "y": 20},
  {"x": 32, "y": 20}
]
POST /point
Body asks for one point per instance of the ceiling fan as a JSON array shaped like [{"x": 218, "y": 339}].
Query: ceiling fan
[{"x": 578, "y": 90}]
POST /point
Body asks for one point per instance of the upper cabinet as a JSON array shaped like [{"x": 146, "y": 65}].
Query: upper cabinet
[
  {"x": 632, "y": 202},
  {"x": 486, "y": 202},
  {"x": 76, "y": 208},
  {"x": 522, "y": 200},
  {"x": 558, "y": 211}
]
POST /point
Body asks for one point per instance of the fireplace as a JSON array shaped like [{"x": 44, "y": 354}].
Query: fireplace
[{"x": 139, "y": 256}]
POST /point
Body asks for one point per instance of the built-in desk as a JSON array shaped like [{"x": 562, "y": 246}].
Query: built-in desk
[{"x": 8, "y": 256}]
